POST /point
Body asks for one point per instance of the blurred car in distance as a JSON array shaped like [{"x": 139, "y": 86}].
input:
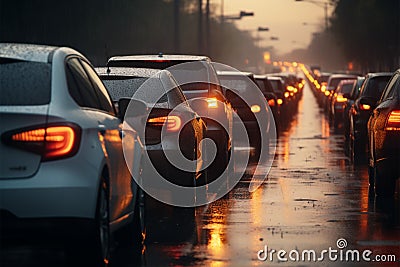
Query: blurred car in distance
[{"x": 339, "y": 98}]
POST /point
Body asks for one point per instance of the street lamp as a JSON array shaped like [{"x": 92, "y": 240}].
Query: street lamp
[
  {"x": 324, "y": 5},
  {"x": 240, "y": 16}
]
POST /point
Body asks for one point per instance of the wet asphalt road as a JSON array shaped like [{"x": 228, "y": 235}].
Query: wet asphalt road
[{"x": 312, "y": 198}]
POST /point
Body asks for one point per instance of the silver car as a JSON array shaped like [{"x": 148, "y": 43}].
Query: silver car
[{"x": 62, "y": 163}]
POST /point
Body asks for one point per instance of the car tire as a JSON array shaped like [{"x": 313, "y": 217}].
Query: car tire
[
  {"x": 384, "y": 182},
  {"x": 371, "y": 176},
  {"x": 218, "y": 166},
  {"x": 93, "y": 249},
  {"x": 134, "y": 233},
  {"x": 355, "y": 151}
]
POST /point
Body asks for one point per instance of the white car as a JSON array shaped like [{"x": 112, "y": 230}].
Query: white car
[{"x": 61, "y": 152}]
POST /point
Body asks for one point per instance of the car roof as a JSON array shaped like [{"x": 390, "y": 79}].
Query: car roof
[
  {"x": 129, "y": 72},
  {"x": 234, "y": 73},
  {"x": 27, "y": 52},
  {"x": 170, "y": 57},
  {"x": 334, "y": 76},
  {"x": 378, "y": 74},
  {"x": 348, "y": 80}
]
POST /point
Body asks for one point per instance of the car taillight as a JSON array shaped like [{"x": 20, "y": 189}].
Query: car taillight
[
  {"x": 279, "y": 101},
  {"x": 172, "y": 123},
  {"x": 212, "y": 102},
  {"x": 327, "y": 93},
  {"x": 271, "y": 102},
  {"x": 287, "y": 94},
  {"x": 52, "y": 142},
  {"x": 364, "y": 107},
  {"x": 393, "y": 121}
]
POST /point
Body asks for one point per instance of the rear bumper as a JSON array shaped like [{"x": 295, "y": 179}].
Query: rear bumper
[
  {"x": 58, "y": 189},
  {"x": 58, "y": 230}
]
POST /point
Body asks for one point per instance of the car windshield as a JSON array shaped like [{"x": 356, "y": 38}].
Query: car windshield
[
  {"x": 346, "y": 88},
  {"x": 24, "y": 82}
]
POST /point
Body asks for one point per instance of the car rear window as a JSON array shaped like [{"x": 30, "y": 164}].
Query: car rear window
[
  {"x": 240, "y": 84},
  {"x": 24, "y": 83},
  {"x": 375, "y": 86},
  {"x": 122, "y": 86},
  {"x": 346, "y": 88}
]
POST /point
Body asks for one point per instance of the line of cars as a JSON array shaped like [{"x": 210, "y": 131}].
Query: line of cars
[
  {"x": 81, "y": 147},
  {"x": 370, "y": 119}
]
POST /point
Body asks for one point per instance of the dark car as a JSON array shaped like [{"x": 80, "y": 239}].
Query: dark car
[
  {"x": 346, "y": 116},
  {"x": 198, "y": 79},
  {"x": 241, "y": 90},
  {"x": 268, "y": 91},
  {"x": 384, "y": 139},
  {"x": 339, "y": 99},
  {"x": 370, "y": 92},
  {"x": 168, "y": 108},
  {"x": 331, "y": 86}
]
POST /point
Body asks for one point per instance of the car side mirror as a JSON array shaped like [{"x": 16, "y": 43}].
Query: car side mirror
[{"x": 136, "y": 107}]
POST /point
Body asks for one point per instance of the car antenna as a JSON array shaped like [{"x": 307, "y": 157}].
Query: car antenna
[
  {"x": 108, "y": 70},
  {"x": 160, "y": 54}
]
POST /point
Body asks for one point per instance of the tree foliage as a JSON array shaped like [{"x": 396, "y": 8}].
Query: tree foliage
[
  {"x": 369, "y": 32},
  {"x": 103, "y": 28}
]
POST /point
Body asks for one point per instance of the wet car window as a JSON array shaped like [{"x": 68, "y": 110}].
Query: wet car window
[
  {"x": 151, "y": 92},
  {"x": 393, "y": 84},
  {"x": 240, "y": 85},
  {"x": 79, "y": 85},
  {"x": 375, "y": 87},
  {"x": 24, "y": 83},
  {"x": 99, "y": 88}
]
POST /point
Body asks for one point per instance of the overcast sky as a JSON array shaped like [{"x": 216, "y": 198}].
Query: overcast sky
[{"x": 284, "y": 18}]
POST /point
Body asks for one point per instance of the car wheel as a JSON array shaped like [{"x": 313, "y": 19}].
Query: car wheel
[
  {"x": 134, "y": 233},
  {"x": 220, "y": 162},
  {"x": 94, "y": 248},
  {"x": 384, "y": 183}
]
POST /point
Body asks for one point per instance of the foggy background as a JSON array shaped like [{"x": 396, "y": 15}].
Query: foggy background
[{"x": 363, "y": 35}]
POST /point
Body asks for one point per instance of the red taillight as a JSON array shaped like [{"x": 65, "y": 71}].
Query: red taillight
[
  {"x": 52, "y": 142},
  {"x": 393, "y": 121},
  {"x": 172, "y": 123},
  {"x": 271, "y": 102}
]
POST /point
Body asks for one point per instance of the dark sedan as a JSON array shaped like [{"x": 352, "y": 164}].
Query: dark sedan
[
  {"x": 370, "y": 93},
  {"x": 170, "y": 119},
  {"x": 384, "y": 140}
]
